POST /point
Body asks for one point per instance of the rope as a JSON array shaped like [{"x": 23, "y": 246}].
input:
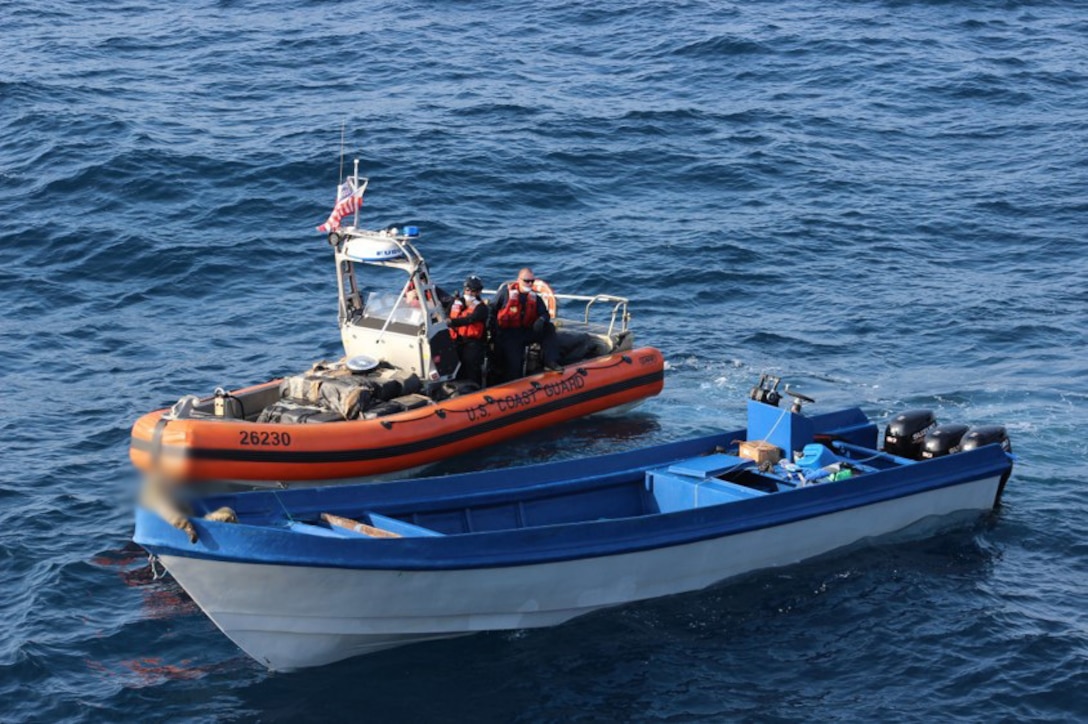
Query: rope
[
  {"x": 441, "y": 412},
  {"x": 624, "y": 359},
  {"x": 152, "y": 562},
  {"x": 774, "y": 427},
  {"x": 286, "y": 512}
]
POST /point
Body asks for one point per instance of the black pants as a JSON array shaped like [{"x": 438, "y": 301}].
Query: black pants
[
  {"x": 511, "y": 344},
  {"x": 471, "y": 353}
]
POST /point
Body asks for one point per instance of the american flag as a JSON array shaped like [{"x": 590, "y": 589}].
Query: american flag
[{"x": 348, "y": 201}]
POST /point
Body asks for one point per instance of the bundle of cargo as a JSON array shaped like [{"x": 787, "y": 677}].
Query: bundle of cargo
[{"x": 353, "y": 390}]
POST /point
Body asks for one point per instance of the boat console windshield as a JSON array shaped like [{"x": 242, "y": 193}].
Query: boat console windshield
[{"x": 403, "y": 323}]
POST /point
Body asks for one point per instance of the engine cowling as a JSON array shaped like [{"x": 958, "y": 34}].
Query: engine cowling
[
  {"x": 906, "y": 433},
  {"x": 943, "y": 440},
  {"x": 986, "y": 435}
]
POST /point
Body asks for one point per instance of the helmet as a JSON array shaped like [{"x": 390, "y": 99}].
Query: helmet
[{"x": 474, "y": 284}]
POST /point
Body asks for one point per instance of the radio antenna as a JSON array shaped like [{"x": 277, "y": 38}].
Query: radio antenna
[{"x": 341, "y": 180}]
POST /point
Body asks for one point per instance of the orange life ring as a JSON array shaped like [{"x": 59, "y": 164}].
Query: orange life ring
[{"x": 546, "y": 293}]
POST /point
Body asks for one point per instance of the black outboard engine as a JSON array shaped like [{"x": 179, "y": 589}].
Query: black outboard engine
[
  {"x": 986, "y": 435},
  {"x": 943, "y": 440},
  {"x": 906, "y": 433}
]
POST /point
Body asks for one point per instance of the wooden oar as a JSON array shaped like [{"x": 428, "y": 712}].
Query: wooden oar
[{"x": 354, "y": 525}]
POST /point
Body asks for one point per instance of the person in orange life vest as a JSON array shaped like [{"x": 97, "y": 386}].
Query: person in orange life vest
[
  {"x": 411, "y": 296},
  {"x": 518, "y": 318},
  {"x": 468, "y": 328}
]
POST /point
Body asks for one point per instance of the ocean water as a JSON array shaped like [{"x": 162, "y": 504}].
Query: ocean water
[{"x": 882, "y": 201}]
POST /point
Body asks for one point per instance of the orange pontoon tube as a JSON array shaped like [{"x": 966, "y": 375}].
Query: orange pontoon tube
[{"x": 210, "y": 448}]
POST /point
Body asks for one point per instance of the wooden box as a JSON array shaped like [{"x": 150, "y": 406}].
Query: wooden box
[{"x": 760, "y": 451}]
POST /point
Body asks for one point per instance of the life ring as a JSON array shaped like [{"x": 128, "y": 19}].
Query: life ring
[{"x": 548, "y": 295}]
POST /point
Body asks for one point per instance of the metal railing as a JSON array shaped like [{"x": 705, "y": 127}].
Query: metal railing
[{"x": 618, "y": 315}]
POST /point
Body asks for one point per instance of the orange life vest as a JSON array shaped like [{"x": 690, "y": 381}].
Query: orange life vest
[
  {"x": 465, "y": 308},
  {"x": 512, "y": 316}
]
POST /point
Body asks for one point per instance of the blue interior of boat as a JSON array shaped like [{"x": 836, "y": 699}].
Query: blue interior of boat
[
  {"x": 848, "y": 425},
  {"x": 791, "y": 431},
  {"x": 320, "y": 530},
  {"x": 618, "y": 500},
  {"x": 707, "y": 480},
  {"x": 611, "y": 487},
  {"x": 390, "y": 525},
  {"x": 694, "y": 483},
  {"x": 786, "y": 430},
  {"x": 699, "y": 482},
  {"x": 400, "y": 527}
]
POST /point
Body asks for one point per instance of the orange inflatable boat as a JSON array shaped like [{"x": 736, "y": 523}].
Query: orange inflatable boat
[
  {"x": 191, "y": 443},
  {"x": 398, "y": 398}
]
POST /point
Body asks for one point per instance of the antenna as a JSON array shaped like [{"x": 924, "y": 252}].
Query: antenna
[{"x": 341, "y": 179}]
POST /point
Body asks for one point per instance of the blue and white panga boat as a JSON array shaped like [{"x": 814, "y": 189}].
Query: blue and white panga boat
[{"x": 305, "y": 577}]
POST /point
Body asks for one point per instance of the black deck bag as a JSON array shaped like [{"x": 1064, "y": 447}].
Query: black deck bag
[
  {"x": 411, "y": 384},
  {"x": 452, "y": 388},
  {"x": 394, "y": 383},
  {"x": 382, "y": 409},
  {"x": 412, "y": 402},
  {"x": 573, "y": 346}
]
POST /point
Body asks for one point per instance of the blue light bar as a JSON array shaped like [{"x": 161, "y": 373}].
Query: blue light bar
[{"x": 411, "y": 231}]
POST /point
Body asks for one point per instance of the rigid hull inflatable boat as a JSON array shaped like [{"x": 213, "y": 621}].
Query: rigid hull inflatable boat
[
  {"x": 394, "y": 401},
  {"x": 192, "y": 444}
]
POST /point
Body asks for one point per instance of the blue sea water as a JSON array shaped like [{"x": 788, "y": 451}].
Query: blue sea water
[{"x": 883, "y": 201}]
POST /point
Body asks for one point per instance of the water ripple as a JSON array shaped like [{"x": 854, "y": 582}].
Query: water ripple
[{"x": 883, "y": 202}]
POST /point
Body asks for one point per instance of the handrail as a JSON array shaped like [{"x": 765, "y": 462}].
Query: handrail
[
  {"x": 619, "y": 307},
  {"x": 618, "y": 304}
]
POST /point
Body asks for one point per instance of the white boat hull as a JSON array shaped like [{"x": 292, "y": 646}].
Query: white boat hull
[{"x": 291, "y": 617}]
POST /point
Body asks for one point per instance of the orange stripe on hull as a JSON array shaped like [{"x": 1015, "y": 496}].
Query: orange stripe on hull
[{"x": 223, "y": 449}]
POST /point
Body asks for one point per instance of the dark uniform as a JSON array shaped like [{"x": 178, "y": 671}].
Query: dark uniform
[
  {"x": 468, "y": 328},
  {"x": 518, "y": 319}
]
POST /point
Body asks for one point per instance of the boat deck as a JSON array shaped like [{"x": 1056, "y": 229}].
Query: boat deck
[{"x": 708, "y": 480}]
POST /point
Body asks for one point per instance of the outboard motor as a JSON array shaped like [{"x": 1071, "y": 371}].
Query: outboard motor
[
  {"x": 906, "y": 433},
  {"x": 986, "y": 435},
  {"x": 943, "y": 440}
]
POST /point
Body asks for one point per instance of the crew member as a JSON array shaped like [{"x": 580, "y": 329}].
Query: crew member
[
  {"x": 468, "y": 328},
  {"x": 520, "y": 317}
]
